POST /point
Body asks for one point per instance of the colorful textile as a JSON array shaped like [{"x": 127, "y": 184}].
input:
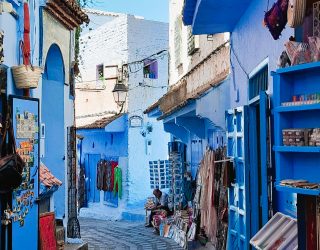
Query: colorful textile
[
  {"x": 101, "y": 174},
  {"x": 298, "y": 53},
  {"x": 276, "y": 18},
  {"x": 314, "y": 43},
  {"x": 117, "y": 182}
]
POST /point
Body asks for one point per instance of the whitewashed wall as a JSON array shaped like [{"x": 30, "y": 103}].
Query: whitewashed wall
[
  {"x": 144, "y": 39},
  {"x": 188, "y": 62}
]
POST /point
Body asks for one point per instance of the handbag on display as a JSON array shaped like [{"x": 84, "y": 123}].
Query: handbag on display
[
  {"x": 276, "y": 18},
  {"x": 296, "y": 12},
  {"x": 11, "y": 165}
]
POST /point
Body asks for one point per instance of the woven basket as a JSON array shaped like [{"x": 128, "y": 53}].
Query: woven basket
[
  {"x": 296, "y": 12},
  {"x": 26, "y": 77}
]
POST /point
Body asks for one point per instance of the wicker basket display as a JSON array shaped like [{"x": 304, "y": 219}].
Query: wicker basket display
[
  {"x": 26, "y": 77},
  {"x": 296, "y": 12}
]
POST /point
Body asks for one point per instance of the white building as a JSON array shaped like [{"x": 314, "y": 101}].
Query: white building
[{"x": 142, "y": 46}]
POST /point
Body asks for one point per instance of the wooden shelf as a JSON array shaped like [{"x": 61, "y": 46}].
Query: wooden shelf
[
  {"x": 297, "y": 108},
  {"x": 296, "y": 149},
  {"x": 296, "y": 190}
]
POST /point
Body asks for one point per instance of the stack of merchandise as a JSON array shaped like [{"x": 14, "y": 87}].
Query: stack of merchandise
[
  {"x": 295, "y": 137},
  {"x": 150, "y": 203},
  {"x": 303, "y": 100},
  {"x": 177, "y": 227},
  {"x": 314, "y": 137},
  {"x": 177, "y": 170},
  {"x": 301, "y": 137},
  {"x": 300, "y": 184}
]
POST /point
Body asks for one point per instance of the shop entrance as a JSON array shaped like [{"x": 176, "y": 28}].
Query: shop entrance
[
  {"x": 259, "y": 159},
  {"x": 52, "y": 118}
]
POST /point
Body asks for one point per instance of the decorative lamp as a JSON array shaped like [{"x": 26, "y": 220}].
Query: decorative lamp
[{"x": 120, "y": 93}]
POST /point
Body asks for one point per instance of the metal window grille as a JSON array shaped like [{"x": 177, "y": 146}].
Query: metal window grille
[
  {"x": 258, "y": 82},
  {"x": 159, "y": 174}
]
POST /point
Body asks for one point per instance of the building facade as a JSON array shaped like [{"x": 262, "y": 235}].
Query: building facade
[
  {"x": 138, "y": 49},
  {"x": 256, "y": 85},
  {"x": 52, "y": 44}
]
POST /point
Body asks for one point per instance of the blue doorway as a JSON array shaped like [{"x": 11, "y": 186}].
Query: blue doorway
[
  {"x": 52, "y": 115},
  {"x": 90, "y": 164}
]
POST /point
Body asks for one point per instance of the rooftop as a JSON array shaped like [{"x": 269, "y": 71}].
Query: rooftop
[
  {"x": 101, "y": 123},
  {"x": 47, "y": 178}
]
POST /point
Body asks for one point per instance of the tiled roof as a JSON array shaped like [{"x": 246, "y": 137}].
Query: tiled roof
[
  {"x": 101, "y": 123},
  {"x": 47, "y": 178},
  {"x": 68, "y": 12}
]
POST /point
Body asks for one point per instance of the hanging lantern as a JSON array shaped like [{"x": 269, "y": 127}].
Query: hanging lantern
[{"x": 120, "y": 93}]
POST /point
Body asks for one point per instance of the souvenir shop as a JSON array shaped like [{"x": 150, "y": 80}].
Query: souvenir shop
[
  {"x": 198, "y": 206},
  {"x": 30, "y": 58}
]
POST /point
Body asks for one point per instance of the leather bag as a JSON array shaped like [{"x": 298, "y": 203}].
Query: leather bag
[{"x": 11, "y": 165}]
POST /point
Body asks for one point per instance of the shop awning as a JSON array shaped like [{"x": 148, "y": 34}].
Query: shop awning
[{"x": 213, "y": 16}]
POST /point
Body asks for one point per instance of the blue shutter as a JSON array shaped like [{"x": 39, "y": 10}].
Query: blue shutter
[{"x": 239, "y": 200}]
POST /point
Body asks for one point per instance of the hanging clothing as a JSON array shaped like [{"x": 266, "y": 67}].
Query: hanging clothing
[
  {"x": 113, "y": 166},
  {"x": 117, "y": 182},
  {"x": 101, "y": 174},
  {"x": 208, "y": 211}
]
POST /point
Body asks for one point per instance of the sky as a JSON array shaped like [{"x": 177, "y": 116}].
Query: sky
[{"x": 157, "y": 10}]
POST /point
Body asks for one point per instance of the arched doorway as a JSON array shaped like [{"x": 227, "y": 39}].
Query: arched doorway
[{"x": 52, "y": 115}]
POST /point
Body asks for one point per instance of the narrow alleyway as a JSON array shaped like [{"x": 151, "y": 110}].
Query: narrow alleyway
[{"x": 105, "y": 235}]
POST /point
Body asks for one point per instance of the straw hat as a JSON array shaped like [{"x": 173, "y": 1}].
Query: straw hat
[{"x": 296, "y": 12}]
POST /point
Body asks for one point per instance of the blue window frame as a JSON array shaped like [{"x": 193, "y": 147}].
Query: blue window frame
[{"x": 258, "y": 82}]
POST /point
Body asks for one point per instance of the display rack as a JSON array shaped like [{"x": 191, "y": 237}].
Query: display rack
[{"x": 296, "y": 162}]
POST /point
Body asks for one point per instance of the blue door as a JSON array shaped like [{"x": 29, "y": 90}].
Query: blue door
[
  {"x": 52, "y": 111},
  {"x": 91, "y": 161},
  {"x": 239, "y": 201},
  {"x": 264, "y": 131}
]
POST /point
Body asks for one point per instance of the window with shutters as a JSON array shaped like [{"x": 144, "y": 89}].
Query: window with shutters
[
  {"x": 258, "y": 82},
  {"x": 178, "y": 41},
  {"x": 193, "y": 42},
  {"x": 100, "y": 74}
]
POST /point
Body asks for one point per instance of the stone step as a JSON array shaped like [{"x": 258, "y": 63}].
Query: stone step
[
  {"x": 83, "y": 246},
  {"x": 60, "y": 233},
  {"x": 132, "y": 216}
]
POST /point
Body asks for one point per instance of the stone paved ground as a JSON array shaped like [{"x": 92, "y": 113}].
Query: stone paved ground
[{"x": 105, "y": 235}]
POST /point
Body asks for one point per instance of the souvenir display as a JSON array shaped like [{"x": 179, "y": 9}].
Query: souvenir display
[
  {"x": 303, "y": 99},
  {"x": 159, "y": 174},
  {"x": 24, "y": 198},
  {"x": 301, "y": 137},
  {"x": 27, "y": 124}
]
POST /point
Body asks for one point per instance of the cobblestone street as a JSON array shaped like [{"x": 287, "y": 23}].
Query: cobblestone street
[{"x": 103, "y": 235}]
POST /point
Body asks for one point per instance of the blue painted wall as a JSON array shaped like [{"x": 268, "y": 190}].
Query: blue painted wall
[
  {"x": 259, "y": 45},
  {"x": 252, "y": 43},
  {"x": 53, "y": 117},
  {"x": 97, "y": 141}
]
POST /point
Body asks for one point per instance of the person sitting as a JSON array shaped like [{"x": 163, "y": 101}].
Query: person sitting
[{"x": 161, "y": 203}]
